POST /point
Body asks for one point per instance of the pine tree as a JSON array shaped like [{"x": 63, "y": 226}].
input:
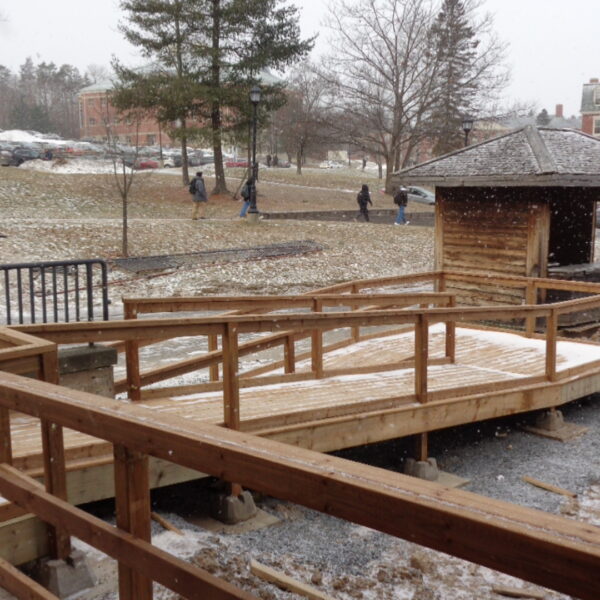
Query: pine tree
[
  {"x": 543, "y": 119},
  {"x": 456, "y": 52},
  {"x": 209, "y": 53}
]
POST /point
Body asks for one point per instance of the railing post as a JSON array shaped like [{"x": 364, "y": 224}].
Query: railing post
[
  {"x": 289, "y": 354},
  {"x": 421, "y": 357},
  {"x": 55, "y": 473},
  {"x": 132, "y": 359},
  {"x": 531, "y": 299},
  {"x": 132, "y": 501},
  {"x": 231, "y": 384},
  {"x": 356, "y": 328},
  {"x": 551, "y": 334},
  {"x": 213, "y": 344},
  {"x": 317, "y": 344},
  {"x": 451, "y": 333}
]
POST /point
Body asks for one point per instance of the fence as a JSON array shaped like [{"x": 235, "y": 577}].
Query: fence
[{"x": 55, "y": 291}]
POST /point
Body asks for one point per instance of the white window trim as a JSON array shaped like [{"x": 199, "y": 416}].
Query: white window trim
[{"x": 597, "y": 95}]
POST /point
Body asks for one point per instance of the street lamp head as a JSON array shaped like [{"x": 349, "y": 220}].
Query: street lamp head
[
  {"x": 255, "y": 95},
  {"x": 467, "y": 123}
]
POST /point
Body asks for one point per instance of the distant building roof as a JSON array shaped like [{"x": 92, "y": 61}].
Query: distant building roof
[
  {"x": 529, "y": 156},
  {"x": 106, "y": 85}
]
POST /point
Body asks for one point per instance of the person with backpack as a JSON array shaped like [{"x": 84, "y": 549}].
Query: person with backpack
[
  {"x": 246, "y": 195},
  {"x": 401, "y": 200},
  {"x": 199, "y": 198},
  {"x": 364, "y": 199}
]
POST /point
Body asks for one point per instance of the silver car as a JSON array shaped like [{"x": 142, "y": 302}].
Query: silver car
[{"x": 419, "y": 194}]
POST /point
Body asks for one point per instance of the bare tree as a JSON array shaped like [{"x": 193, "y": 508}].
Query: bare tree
[
  {"x": 387, "y": 74},
  {"x": 302, "y": 120},
  {"x": 123, "y": 161}
]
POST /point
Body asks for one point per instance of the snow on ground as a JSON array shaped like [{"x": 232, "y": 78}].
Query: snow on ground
[{"x": 57, "y": 216}]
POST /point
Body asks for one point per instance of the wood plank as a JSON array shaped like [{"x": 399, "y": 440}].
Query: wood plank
[
  {"x": 286, "y": 582},
  {"x": 548, "y": 487},
  {"x": 177, "y": 575},
  {"x": 512, "y": 592},
  {"x": 231, "y": 386}
]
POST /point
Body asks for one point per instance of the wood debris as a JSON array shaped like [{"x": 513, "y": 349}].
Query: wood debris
[
  {"x": 548, "y": 487},
  {"x": 518, "y": 592}
]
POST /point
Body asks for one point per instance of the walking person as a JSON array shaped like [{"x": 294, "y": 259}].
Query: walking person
[
  {"x": 401, "y": 200},
  {"x": 364, "y": 199},
  {"x": 199, "y": 198},
  {"x": 246, "y": 195}
]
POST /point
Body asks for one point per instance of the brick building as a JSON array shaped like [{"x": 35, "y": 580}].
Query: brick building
[
  {"x": 590, "y": 108},
  {"x": 98, "y": 117}
]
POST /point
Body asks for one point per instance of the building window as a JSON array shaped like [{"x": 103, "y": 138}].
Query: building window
[
  {"x": 597, "y": 95},
  {"x": 150, "y": 139},
  {"x": 92, "y": 121},
  {"x": 91, "y": 102},
  {"x": 597, "y": 126}
]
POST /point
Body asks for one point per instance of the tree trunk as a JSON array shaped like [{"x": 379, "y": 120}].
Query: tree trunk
[
  {"x": 388, "y": 176},
  {"x": 299, "y": 162},
  {"x": 184, "y": 157},
  {"x": 125, "y": 242},
  {"x": 215, "y": 112}
]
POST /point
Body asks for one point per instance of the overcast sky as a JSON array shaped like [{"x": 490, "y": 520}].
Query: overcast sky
[{"x": 554, "y": 45}]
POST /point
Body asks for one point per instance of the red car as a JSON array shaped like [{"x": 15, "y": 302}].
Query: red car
[
  {"x": 236, "y": 163},
  {"x": 146, "y": 163}
]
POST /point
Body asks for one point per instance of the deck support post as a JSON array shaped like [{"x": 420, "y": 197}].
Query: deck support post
[
  {"x": 531, "y": 299},
  {"x": 289, "y": 354},
  {"x": 551, "y": 335},
  {"x": 235, "y": 504},
  {"x": 421, "y": 357},
  {"x": 132, "y": 360},
  {"x": 451, "y": 333},
  {"x": 355, "y": 329},
  {"x": 317, "y": 344},
  {"x": 132, "y": 499},
  {"x": 55, "y": 474},
  {"x": 213, "y": 345}
]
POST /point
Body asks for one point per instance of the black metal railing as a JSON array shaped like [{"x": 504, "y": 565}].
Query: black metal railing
[{"x": 58, "y": 291}]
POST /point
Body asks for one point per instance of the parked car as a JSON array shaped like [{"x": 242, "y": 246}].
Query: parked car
[
  {"x": 21, "y": 154},
  {"x": 236, "y": 163},
  {"x": 174, "y": 160},
  {"x": 146, "y": 163},
  {"x": 419, "y": 194},
  {"x": 331, "y": 164}
]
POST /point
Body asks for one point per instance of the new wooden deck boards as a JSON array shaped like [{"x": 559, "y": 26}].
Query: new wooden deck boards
[{"x": 482, "y": 357}]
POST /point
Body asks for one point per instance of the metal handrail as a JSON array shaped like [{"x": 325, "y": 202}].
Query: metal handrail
[{"x": 50, "y": 282}]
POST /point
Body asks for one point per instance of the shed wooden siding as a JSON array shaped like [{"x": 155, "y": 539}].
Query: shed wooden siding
[{"x": 499, "y": 231}]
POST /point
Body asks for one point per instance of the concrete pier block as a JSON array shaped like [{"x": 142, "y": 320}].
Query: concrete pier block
[
  {"x": 65, "y": 577},
  {"x": 423, "y": 469},
  {"x": 550, "y": 420},
  {"x": 233, "y": 509}
]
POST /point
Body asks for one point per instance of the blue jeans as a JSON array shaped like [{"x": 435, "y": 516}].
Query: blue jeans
[
  {"x": 245, "y": 208},
  {"x": 400, "y": 216}
]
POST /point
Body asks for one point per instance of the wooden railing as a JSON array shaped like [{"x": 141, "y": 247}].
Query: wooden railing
[{"x": 522, "y": 542}]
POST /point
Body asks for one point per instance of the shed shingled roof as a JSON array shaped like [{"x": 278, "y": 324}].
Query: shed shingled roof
[{"x": 529, "y": 156}]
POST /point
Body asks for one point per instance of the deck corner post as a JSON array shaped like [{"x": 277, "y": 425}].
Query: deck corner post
[
  {"x": 213, "y": 346},
  {"x": 317, "y": 343},
  {"x": 231, "y": 380},
  {"x": 530, "y": 299},
  {"x": 451, "y": 333},
  {"x": 289, "y": 354},
  {"x": 421, "y": 356},
  {"x": 551, "y": 335}
]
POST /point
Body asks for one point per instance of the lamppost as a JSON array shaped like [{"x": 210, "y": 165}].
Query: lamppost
[
  {"x": 467, "y": 126},
  {"x": 255, "y": 99}
]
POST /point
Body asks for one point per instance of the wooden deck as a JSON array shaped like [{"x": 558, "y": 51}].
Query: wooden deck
[{"x": 358, "y": 405}]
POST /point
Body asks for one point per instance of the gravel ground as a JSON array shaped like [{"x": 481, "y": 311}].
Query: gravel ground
[{"x": 58, "y": 216}]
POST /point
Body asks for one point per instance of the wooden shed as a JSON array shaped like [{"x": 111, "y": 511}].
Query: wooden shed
[{"x": 519, "y": 204}]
